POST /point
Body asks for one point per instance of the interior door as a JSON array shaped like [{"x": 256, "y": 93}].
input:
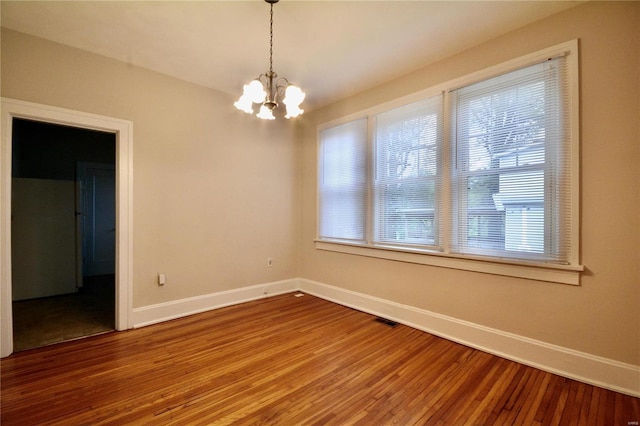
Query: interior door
[{"x": 98, "y": 223}]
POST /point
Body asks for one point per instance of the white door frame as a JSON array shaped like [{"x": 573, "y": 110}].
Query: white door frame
[{"x": 123, "y": 129}]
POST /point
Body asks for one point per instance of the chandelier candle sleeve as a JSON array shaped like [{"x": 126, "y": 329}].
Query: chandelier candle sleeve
[{"x": 268, "y": 89}]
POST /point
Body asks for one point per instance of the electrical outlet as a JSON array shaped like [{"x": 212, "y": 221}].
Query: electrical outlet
[{"x": 270, "y": 261}]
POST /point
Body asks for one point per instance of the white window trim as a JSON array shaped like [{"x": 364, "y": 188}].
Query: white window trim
[
  {"x": 557, "y": 273},
  {"x": 563, "y": 274}
]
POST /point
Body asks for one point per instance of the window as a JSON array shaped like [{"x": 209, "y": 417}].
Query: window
[
  {"x": 511, "y": 172},
  {"x": 343, "y": 182},
  {"x": 406, "y": 188},
  {"x": 485, "y": 170}
]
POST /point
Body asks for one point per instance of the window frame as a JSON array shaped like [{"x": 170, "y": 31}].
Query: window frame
[
  {"x": 441, "y": 256},
  {"x": 321, "y": 188},
  {"x": 377, "y": 236},
  {"x": 552, "y": 151}
]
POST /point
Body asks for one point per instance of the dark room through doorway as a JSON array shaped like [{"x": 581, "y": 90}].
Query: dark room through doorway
[{"x": 63, "y": 233}]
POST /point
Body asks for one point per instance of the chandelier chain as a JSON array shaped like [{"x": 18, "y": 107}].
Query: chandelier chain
[{"x": 271, "y": 41}]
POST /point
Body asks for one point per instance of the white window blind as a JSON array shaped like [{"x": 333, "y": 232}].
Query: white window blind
[
  {"x": 343, "y": 182},
  {"x": 511, "y": 168},
  {"x": 407, "y": 150}
]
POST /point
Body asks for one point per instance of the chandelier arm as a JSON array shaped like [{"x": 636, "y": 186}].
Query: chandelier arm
[
  {"x": 280, "y": 87},
  {"x": 282, "y": 81}
]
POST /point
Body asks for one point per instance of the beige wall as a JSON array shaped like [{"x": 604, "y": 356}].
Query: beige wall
[
  {"x": 601, "y": 316},
  {"x": 214, "y": 192}
]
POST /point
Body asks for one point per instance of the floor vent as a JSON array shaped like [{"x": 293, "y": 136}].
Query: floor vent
[{"x": 387, "y": 322}]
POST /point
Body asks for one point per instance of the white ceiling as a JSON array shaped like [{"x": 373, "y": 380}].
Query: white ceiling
[{"x": 329, "y": 48}]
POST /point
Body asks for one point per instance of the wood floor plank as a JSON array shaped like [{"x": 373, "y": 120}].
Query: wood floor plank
[
  {"x": 486, "y": 412},
  {"x": 289, "y": 361},
  {"x": 538, "y": 388}
]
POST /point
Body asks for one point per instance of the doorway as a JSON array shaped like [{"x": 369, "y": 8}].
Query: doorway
[
  {"x": 63, "y": 232},
  {"x": 122, "y": 130}
]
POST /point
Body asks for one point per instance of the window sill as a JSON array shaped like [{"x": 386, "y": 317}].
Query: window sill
[{"x": 563, "y": 274}]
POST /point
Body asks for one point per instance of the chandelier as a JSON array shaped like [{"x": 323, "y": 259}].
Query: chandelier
[{"x": 268, "y": 89}]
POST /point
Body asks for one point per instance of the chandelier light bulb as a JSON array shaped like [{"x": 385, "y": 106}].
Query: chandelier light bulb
[
  {"x": 244, "y": 104},
  {"x": 293, "y": 98},
  {"x": 265, "y": 113},
  {"x": 255, "y": 91},
  {"x": 252, "y": 93}
]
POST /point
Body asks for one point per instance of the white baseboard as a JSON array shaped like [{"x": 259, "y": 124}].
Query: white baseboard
[
  {"x": 584, "y": 367},
  {"x": 160, "y": 312}
]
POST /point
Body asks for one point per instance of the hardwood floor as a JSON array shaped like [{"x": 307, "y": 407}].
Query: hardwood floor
[{"x": 290, "y": 361}]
